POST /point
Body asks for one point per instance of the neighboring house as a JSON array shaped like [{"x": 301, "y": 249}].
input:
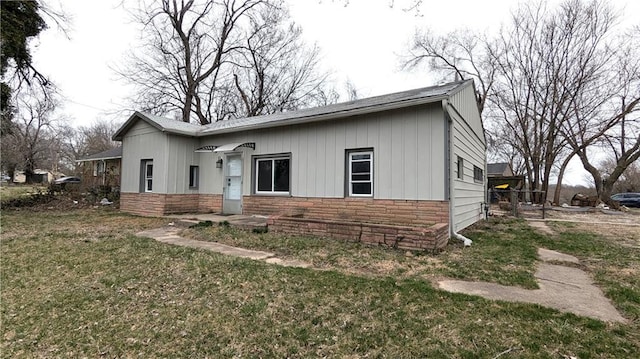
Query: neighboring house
[
  {"x": 414, "y": 159},
  {"x": 39, "y": 176},
  {"x": 501, "y": 180},
  {"x": 102, "y": 169},
  {"x": 501, "y": 176},
  {"x": 501, "y": 169}
]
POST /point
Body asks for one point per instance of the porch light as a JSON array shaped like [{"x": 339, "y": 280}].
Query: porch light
[{"x": 219, "y": 162}]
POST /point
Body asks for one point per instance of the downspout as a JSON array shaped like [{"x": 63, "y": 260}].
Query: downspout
[{"x": 467, "y": 242}]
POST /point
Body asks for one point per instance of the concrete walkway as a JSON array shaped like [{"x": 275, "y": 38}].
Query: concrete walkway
[
  {"x": 169, "y": 235},
  {"x": 567, "y": 289}
]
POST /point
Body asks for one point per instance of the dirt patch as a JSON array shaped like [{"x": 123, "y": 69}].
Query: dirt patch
[
  {"x": 594, "y": 215},
  {"x": 542, "y": 227},
  {"x": 628, "y": 236}
]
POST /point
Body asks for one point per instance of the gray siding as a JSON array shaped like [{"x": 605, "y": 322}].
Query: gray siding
[
  {"x": 468, "y": 143},
  {"x": 408, "y": 159},
  {"x": 143, "y": 141},
  {"x": 180, "y": 157}
]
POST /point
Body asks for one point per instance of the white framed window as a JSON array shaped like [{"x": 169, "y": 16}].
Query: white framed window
[
  {"x": 272, "y": 175},
  {"x": 193, "y": 177},
  {"x": 360, "y": 173},
  {"x": 146, "y": 175}
]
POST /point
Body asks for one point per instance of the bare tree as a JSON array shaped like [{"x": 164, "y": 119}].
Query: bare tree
[
  {"x": 533, "y": 76},
  {"x": 461, "y": 54},
  {"x": 629, "y": 181},
  {"x": 83, "y": 141},
  {"x": 212, "y": 60},
  {"x": 275, "y": 71},
  {"x": 612, "y": 128},
  {"x": 185, "y": 45},
  {"x": 32, "y": 141}
]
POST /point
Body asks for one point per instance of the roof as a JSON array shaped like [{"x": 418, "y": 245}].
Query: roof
[
  {"x": 497, "y": 168},
  {"x": 161, "y": 123},
  {"x": 340, "y": 110},
  {"x": 104, "y": 155}
]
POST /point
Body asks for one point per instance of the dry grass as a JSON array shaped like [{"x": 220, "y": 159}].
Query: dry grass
[{"x": 81, "y": 284}]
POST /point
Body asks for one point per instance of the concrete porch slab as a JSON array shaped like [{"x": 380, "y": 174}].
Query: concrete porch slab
[{"x": 236, "y": 220}]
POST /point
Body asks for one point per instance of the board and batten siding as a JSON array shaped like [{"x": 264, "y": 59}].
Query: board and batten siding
[
  {"x": 468, "y": 143},
  {"x": 180, "y": 156},
  {"x": 143, "y": 142},
  {"x": 408, "y": 154}
]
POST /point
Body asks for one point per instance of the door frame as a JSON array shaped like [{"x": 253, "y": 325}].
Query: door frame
[{"x": 232, "y": 206}]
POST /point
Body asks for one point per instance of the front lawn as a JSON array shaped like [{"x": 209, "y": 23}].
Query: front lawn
[{"x": 81, "y": 284}]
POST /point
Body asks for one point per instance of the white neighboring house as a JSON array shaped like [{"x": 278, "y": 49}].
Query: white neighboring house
[{"x": 413, "y": 158}]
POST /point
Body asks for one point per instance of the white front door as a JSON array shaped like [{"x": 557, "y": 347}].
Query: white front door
[{"x": 232, "y": 198}]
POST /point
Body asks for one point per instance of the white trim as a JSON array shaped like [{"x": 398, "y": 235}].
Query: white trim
[
  {"x": 350, "y": 180},
  {"x": 148, "y": 179},
  {"x": 233, "y": 146},
  {"x": 273, "y": 175}
]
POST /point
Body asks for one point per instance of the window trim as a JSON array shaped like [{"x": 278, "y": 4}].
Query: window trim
[
  {"x": 194, "y": 177},
  {"x": 460, "y": 168},
  {"x": 145, "y": 179},
  {"x": 478, "y": 174},
  {"x": 272, "y": 158},
  {"x": 349, "y": 178}
]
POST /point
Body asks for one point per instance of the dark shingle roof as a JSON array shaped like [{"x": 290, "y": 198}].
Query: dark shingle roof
[
  {"x": 104, "y": 155},
  {"x": 496, "y": 168},
  {"x": 339, "y": 110}
]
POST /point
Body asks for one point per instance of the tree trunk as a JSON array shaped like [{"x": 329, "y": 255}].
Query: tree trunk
[{"x": 563, "y": 167}]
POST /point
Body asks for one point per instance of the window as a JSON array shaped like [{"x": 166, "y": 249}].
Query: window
[
  {"x": 98, "y": 168},
  {"x": 272, "y": 175},
  {"x": 478, "y": 174},
  {"x": 360, "y": 173},
  {"x": 193, "y": 177},
  {"x": 460, "y": 168},
  {"x": 146, "y": 176}
]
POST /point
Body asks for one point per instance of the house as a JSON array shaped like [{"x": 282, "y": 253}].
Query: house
[
  {"x": 501, "y": 180},
  {"x": 102, "y": 169},
  {"x": 407, "y": 169},
  {"x": 39, "y": 176},
  {"x": 500, "y": 169}
]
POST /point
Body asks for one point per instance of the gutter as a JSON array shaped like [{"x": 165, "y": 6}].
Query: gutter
[{"x": 467, "y": 242}]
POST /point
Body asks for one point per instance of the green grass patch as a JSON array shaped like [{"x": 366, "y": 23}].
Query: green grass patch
[{"x": 81, "y": 284}]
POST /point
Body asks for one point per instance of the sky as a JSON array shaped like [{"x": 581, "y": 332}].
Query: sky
[{"x": 362, "y": 41}]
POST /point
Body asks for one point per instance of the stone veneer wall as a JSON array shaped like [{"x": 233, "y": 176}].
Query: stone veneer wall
[
  {"x": 154, "y": 204},
  {"x": 380, "y": 211}
]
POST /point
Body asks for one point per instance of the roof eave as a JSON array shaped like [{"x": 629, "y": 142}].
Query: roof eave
[
  {"x": 98, "y": 159},
  {"x": 130, "y": 121}
]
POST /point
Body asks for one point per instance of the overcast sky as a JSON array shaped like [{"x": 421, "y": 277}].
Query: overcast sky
[{"x": 361, "y": 42}]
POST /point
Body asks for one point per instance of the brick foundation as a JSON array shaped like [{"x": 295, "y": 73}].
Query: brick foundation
[
  {"x": 379, "y": 211},
  {"x": 403, "y": 237},
  {"x": 154, "y": 204},
  {"x": 405, "y": 224}
]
